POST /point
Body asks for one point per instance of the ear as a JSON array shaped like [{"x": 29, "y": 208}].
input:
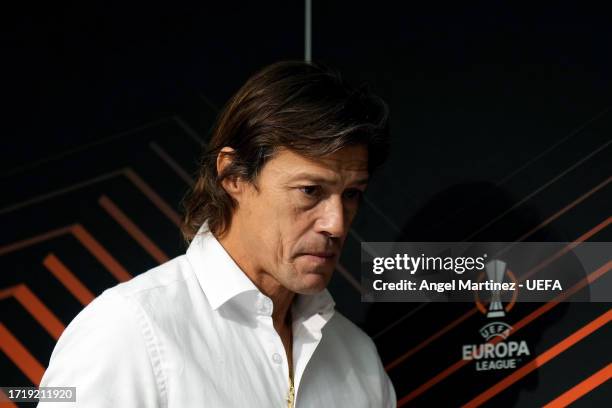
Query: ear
[{"x": 231, "y": 185}]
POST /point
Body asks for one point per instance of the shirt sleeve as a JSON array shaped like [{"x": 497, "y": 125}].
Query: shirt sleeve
[{"x": 108, "y": 353}]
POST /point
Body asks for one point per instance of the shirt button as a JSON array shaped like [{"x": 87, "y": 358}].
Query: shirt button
[
  {"x": 268, "y": 306},
  {"x": 277, "y": 358},
  {"x": 264, "y": 306}
]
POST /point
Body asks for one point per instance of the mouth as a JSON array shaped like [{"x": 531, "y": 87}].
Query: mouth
[
  {"x": 322, "y": 254},
  {"x": 320, "y": 257}
]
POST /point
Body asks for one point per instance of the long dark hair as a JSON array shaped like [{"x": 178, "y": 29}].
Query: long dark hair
[{"x": 307, "y": 108}]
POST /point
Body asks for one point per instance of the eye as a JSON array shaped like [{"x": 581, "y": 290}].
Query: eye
[
  {"x": 311, "y": 191},
  {"x": 353, "y": 194}
]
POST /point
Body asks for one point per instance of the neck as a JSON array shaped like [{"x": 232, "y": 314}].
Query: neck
[{"x": 281, "y": 297}]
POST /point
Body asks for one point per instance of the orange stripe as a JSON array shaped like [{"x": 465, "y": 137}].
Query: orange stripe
[
  {"x": 516, "y": 327},
  {"x": 548, "y": 221},
  {"x": 171, "y": 163},
  {"x": 100, "y": 253},
  {"x": 20, "y": 356},
  {"x": 132, "y": 229},
  {"x": 538, "y": 190},
  {"x": 473, "y": 311},
  {"x": 431, "y": 382},
  {"x": 430, "y": 339},
  {"x": 153, "y": 196},
  {"x": 67, "y": 278},
  {"x": 566, "y": 249},
  {"x": 33, "y": 240},
  {"x": 542, "y": 359},
  {"x": 60, "y": 191},
  {"x": 582, "y": 388},
  {"x": 38, "y": 310},
  {"x": 85, "y": 238},
  {"x": 578, "y": 286},
  {"x": 7, "y": 292},
  {"x": 4, "y": 401},
  {"x": 567, "y": 208}
]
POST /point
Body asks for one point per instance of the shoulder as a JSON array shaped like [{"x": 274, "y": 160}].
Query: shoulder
[
  {"x": 119, "y": 320},
  {"x": 112, "y": 343},
  {"x": 108, "y": 321},
  {"x": 159, "y": 279},
  {"x": 105, "y": 353},
  {"x": 161, "y": 293}
]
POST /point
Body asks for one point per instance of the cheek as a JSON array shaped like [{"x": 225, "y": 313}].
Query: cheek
[
  {"x": 287, "y": 244},
  {"x": 279, "y": 225},
  {"x": 273, "y": 242}
]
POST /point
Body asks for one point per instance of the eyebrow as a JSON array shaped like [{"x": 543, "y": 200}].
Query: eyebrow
[{"x": 322, "y": 180}]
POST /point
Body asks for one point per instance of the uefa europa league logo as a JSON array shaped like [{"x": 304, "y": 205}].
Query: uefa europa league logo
[{"x": 496, "y": 270}]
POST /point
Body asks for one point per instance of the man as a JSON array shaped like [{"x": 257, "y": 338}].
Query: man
[{"x": 243, "y": 319}]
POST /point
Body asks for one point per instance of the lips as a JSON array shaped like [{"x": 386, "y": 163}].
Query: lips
[
  {"x": 321, "y": 254},
  {"x": 319, "y": 258}
]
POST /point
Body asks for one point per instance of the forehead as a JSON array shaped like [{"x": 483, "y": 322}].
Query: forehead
[{"x": 347, "y": 163}]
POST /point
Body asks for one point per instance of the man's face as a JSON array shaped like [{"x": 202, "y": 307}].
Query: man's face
[{"x": 296, "y": 220}]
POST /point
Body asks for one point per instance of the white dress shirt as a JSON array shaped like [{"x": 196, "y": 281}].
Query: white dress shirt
[{"x": 196, "y": 332}]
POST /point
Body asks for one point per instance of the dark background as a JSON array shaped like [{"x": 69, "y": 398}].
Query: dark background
[{"x": 501, "y": 123}]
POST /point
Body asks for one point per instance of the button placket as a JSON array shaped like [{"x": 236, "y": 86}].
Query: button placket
[
  {"x": 263, "y": 305},
  {"x": 272, "y": 342}
]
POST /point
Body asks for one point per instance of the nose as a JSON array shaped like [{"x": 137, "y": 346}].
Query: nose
[{"x": 332, "y": 220}]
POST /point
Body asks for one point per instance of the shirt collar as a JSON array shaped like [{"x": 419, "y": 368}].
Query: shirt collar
[{"x": 222, "y": 281}]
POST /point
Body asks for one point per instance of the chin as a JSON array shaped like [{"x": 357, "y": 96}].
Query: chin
[
  {"x": 312, "y": 283},
  {"x": 309, "y": 290}
]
